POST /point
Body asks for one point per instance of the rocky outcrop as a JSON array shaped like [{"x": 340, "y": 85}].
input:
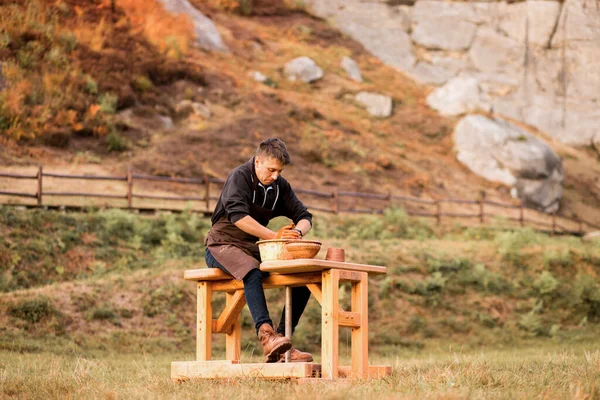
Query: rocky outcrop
[
  {"x": 303, "y": 69},
  {"x": 533, "y": 60},
  {"x": 459, "y": 96},
  {"x": 351, "y": 68},
  {"x": 500, "y": 151},
  {"x": 207, "y": 35},
  {"x": 378, "y": 105}
]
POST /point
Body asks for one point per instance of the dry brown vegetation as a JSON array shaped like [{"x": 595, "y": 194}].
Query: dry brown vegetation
[{"x": 111, "y": 61}]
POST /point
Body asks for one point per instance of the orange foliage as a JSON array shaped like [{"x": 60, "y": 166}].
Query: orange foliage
[{"x": 172, "y": 34}]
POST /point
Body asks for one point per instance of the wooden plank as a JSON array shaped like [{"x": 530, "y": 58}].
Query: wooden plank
[
  {"x": 233, "y": 339},
  {"x": 270, "y": 282},
  {"x": 315, "y": 289},
  {"x": 234, "y": 302},
  {"x": 350, "y": 276},
  {"x": 329, "y": 324},
  {"x": 183, "y": 370},
  {"x": 349, "y": 319},
  {"x": 360, "y": 335},
  {"x": 204, "y": 321},
  {"x": 206, "y": 274},
  {"x": 312, "y": 264},
  {"x": 374, "y": 371}
]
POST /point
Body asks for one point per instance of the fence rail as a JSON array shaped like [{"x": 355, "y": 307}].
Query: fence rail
[{"x": 335, "y": 197}]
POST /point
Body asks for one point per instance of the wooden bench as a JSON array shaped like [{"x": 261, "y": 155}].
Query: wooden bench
[{"x": 322, "y": 278}]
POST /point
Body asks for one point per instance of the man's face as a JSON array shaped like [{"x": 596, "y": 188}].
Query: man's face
[{"x": 267, "y": 169}]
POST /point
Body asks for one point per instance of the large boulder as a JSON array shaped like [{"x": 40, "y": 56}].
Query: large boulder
[
  {"x": 500, "y": 151},
  {"x": 207, "y": 35},
  {"x": 459, "y": 96},
  {"x": 378, "y": 105},
  {"x": 352, "y": 69},
  {"x": 303, "y": 69}
]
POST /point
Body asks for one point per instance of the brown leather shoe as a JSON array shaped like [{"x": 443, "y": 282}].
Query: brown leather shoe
[
  {"x": 296, "y": 355},
  {"x": 273, "y": 345}
]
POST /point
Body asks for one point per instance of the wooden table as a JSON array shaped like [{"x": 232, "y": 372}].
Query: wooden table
[{"x": 322, "y": 278}]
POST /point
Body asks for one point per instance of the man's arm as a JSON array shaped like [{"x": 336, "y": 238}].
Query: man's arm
[
  {"x": 252, "y": 227},
  {"x": 304, "y": 225}
]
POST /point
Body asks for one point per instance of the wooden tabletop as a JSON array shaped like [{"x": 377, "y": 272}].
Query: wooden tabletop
[{"x": 312, "y": 264}]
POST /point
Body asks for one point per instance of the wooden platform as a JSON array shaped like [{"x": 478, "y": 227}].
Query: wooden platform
[{"x": 185, "y": 370}]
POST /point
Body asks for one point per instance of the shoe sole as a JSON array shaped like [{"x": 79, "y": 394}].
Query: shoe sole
[
  {"x": 274, "y": 355},
  {"x": 282, "y": 360}
]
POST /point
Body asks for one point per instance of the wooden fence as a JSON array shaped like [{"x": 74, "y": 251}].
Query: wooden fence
[{"x": 326, "y": 201}]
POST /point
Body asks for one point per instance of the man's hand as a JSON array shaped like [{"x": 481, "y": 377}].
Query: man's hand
[{"x": 287, "y": 232}]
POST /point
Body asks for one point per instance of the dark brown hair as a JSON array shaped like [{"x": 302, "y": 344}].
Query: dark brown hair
[{"x": 274, "y": 148}]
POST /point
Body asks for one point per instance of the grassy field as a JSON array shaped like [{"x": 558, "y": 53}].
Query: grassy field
[
  {"x": 537, "y": 370},
  {"x": 93, "y": 305}
]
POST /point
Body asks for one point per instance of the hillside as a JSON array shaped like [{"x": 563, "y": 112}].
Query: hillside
[
  {"x": 118, "y": 62},
  {"x": 113, "y": 281}
]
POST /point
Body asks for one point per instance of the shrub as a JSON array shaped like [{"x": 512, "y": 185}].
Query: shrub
[
  {"x": 545, "y": 283},
  {"x": 105, "y": 313},
  {"x": 91, "y": 86},
  {"x": 116, "y": 142},
  {"x": 142, "y": 83},
  {"x": 556, "y": 258},
  {"x": 34, "y": 310},
  {"x": 510, "y": 244},
  {"x": 163, "y": 299},
  {"x": 108, "y": 103},
  {"x": 585, "y": 295},
  {"x": 531, "y": 323}
]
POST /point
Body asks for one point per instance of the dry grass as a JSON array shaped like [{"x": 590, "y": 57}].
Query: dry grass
[{"x": 549, "y": 372}]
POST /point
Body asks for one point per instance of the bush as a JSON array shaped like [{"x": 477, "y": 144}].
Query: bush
[
  {"x": 556, "y": 258},
  {"x": 33, "y": 311},
  {"x": 164, "y": 299},
  {"x": 116, "y": 142},
  {"x": 510, "y": 244},
  {"x": 545, "y": 284},
  {"x": 585, "y": 296},
  {"x": 108, "y": 103}
]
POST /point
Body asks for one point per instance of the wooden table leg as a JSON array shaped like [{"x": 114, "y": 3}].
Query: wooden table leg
[
  {"x": 288, "y": 319},
  {"x": 330, "y": 324},
  {"x": 204, "y": 321},
  {"x": 233, "y": 339},
  {"x": 360, "y": 335}
]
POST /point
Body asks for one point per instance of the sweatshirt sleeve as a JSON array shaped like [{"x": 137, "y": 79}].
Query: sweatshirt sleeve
[
  {"x": 236, "y": 196},
  {"x": 293, "y": 208}
]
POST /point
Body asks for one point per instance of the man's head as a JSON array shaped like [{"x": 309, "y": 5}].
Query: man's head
[{"x": 271, "y": 157}]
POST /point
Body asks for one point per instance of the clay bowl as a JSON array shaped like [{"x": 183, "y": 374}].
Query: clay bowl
[
  {"x": 303, "y": 248},
  {"x": 277, "y": 249}
]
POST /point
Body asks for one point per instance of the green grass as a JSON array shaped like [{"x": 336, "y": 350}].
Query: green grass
[
  {"x": 533, "y": 371},
  {"x": 93, "y": 305}
]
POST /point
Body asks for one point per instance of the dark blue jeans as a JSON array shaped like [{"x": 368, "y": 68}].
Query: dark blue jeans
[{"x": 255, "y": 297}]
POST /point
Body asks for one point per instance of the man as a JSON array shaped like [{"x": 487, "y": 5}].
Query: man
[{"x": 253, "y": 194}]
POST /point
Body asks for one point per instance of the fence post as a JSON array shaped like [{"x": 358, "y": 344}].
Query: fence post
[
  {"x": 129, "y": 187},
  {"x": 521, "y": 214},
  {"x": 39, "y": 191},
  {"x": 336, "y": 201},
  {"x": 207, "y": 198},
  {"x": 481, "y": 209},
  {"x": 438, "y": 215},
  {"x": 554, "y": 222}
]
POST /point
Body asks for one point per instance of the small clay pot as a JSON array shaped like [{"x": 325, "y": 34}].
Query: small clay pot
[{"x": 334, "y": 254}]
